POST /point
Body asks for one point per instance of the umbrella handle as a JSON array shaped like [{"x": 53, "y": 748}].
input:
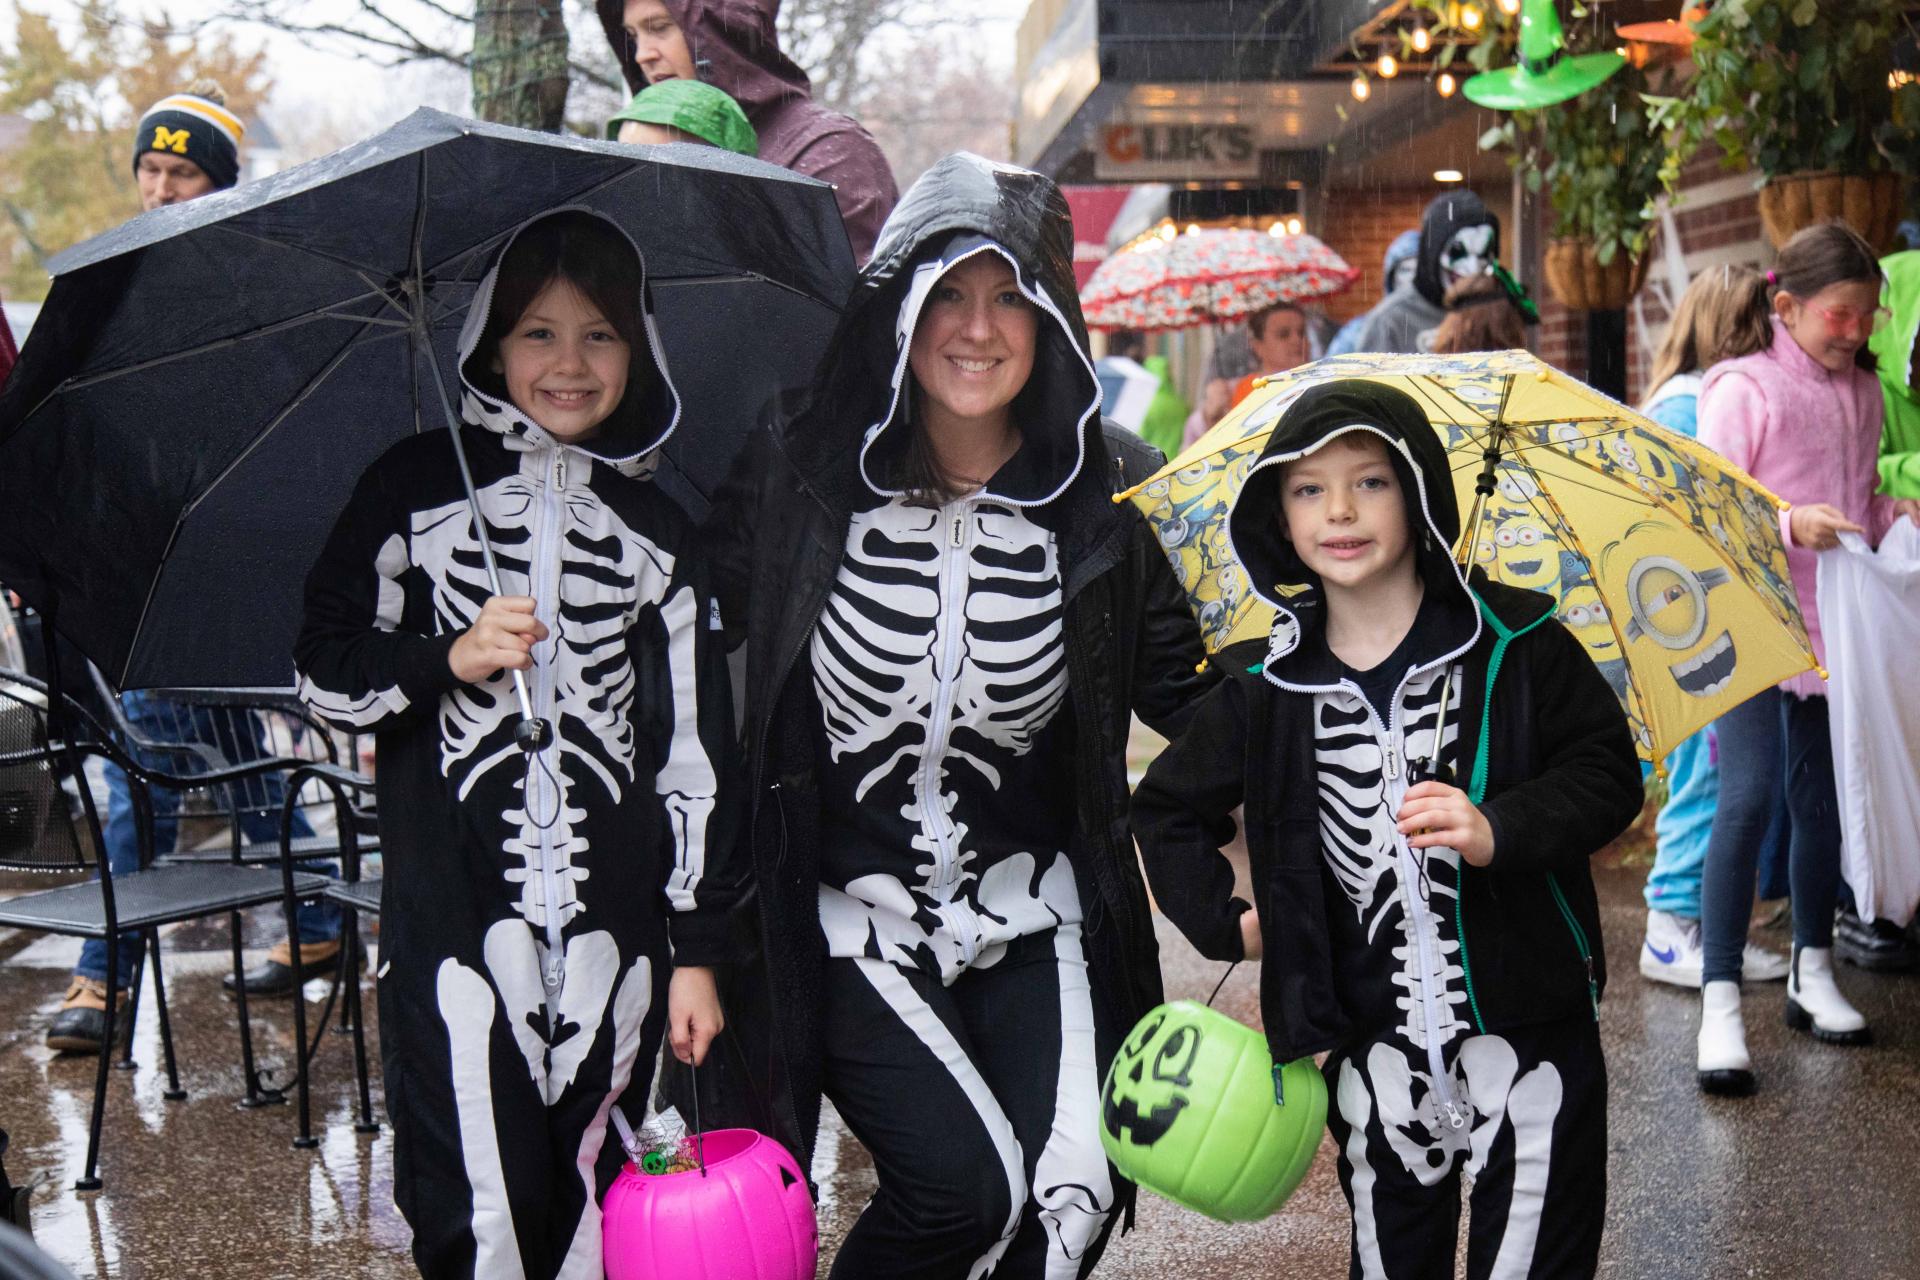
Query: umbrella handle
[{"x": 532, "y": 733}]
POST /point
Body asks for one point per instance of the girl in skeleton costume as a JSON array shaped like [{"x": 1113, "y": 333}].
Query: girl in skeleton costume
[
  {"x": 949, "y": 623},
  {"x": 534, "y": 903},
  {"x": 1442, "y": 943}
]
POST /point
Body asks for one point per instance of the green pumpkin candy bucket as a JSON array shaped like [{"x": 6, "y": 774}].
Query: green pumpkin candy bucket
[{"x": 1194, "y": 1109}]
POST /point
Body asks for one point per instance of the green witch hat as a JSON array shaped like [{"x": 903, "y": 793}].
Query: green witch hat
[{"x": 1546, "y": 73}]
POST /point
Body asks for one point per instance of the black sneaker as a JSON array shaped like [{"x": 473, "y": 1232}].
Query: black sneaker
[{"x": 1874, "y": 944}]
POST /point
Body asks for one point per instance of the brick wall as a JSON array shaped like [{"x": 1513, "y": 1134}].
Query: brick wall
[
  {"x": 1717, "y": 218},
  {"x": 1360, "y": 224}
]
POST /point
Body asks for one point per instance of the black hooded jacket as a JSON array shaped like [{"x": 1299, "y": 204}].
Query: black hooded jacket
[
  {"x": 1548, "y": 759},
  {"x": 778, "y": 541},
  {"x": 1445, "y": 215}
]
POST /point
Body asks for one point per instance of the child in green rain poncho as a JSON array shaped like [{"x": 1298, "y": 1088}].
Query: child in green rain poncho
[{"x": 684, "y": 111}]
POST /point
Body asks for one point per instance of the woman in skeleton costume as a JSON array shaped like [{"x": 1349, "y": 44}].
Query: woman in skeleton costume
[
  {"x": 1426, "y": 762},
  {"x": 949, "y": 622},
  {"x": 535, "y": 901}
]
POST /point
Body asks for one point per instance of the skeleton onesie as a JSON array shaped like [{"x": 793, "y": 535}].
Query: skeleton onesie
[
  {"x": 532, "y": 905},
  {"x": 957, "y": 985},
  {"x": 1452, "y": 1051}
]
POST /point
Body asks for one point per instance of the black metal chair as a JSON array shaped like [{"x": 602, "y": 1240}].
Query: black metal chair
[
  {"x": 356, "y": 896},
  {"x": 203, "y": 735},
  {"x": 37, "y": 834}
]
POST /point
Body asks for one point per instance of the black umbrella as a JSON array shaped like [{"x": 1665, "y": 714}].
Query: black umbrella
[{"x": 206, "y": 382}]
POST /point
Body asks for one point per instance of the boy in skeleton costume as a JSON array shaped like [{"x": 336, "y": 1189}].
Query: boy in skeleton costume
[
  {"x": 534, "y": 903},
  {"x": 1442, "y": 943},
  {"x": 949, "y": 623},
  {"x": 1459, "y": 238}
]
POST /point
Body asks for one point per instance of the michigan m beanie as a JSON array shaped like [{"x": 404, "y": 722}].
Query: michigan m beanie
[{"x": 195, "y": 126}]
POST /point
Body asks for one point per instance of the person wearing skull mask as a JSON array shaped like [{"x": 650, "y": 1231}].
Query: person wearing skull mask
[{"x": 1459, "y": 238}]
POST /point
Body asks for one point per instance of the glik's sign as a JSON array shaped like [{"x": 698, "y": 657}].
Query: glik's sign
[{"x": 1192, "y": 151}]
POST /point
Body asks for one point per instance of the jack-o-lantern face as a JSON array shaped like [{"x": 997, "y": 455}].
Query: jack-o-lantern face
[{"x": 1149, "y": 1084}]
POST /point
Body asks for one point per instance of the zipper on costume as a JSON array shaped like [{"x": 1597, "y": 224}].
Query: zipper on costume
[
  {"x": 1579, "y": 940},
  {"x": 545, "y": 593},
  {"x": 953, "y": 619},
  {"x": 1394, "y": 792}
]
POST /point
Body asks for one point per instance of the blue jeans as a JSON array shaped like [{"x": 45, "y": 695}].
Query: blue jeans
[
  {"x": 238, "y": 736},
  {"x": 1685, "y": 824},
  {"x": 1755, "y": 738}
]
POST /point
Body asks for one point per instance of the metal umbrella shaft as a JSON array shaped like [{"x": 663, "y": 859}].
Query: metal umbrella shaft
[{"x": 532, "y": 733}]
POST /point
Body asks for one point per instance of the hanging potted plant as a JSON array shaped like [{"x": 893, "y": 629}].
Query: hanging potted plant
[
  {"x": 1805, "y": 92},
  {"x": 1600, "y": 168},
  {"x": 1574, "y": 126}
]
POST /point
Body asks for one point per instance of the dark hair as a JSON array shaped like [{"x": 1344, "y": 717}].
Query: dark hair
[
  {"x": 1130, "y": 343},
  {"x": 1257, "y": 322},
  {"x": 1481, "y": 316},
  {"x": 589, "y": 253},
  {"x": 1826, "y": 253}
]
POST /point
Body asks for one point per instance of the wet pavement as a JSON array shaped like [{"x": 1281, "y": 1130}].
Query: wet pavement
[{"x": 1815, "y": 1176}]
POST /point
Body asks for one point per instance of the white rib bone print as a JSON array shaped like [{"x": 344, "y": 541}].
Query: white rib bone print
[
  {"x": 938, "y": 660},
  {"x": 1358, "y": 800},
  {"x": 585, "y": 662}
]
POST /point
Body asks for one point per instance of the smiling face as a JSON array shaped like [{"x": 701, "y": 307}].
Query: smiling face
[
  {"x": 564, "y": 364},
  {"x": 1834, "y": 323},
  {"x": 973, "y": 343},
  {"x": 1343, "y": 509},
  {"x": 659, "y": 46}
]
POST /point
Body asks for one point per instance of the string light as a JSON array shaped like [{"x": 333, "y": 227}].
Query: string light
[
  {"x": 1422, "y": 40},
  {"x": 1277, "y": 229},
  {"x": 1167, "y": 232},
  {"x": 1360, "y": 89},
  {"x": 1193, "y": 228},
  {"x": 1509, "y": 7},
  {"x": 1446, "y": 84},
  {"x": 1388, "y": 66},
  {"x": 1294, "y": 226},
  {"x": 1471, "y": 17}
]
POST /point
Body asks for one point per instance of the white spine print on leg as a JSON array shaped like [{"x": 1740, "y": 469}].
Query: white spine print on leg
[
  {"x": 630, "y": 1005},
  {"x": 1071, "y": 1185},
  {"x": 1356, "y": 1108},
  {"x": 1531, "y": 1105},
  {"x": 466, "y": 1008},
  {"x": 925, "y": 1024}
]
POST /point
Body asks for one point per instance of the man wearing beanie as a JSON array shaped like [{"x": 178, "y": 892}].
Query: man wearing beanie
[{"x": 187, "y": 146}]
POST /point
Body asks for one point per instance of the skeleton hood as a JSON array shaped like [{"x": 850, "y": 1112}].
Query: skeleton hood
[
  {"x": 1447, "y": 214},
  {"x": 1896, "y": 346},
  {"x": 961, "y": 207},
  {"x": 645, "y": 417},
  {"x": 1297, "y": 654}
]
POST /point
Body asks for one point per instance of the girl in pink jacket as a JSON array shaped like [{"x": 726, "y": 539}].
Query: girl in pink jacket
[{"x": 1803, "y": 417}]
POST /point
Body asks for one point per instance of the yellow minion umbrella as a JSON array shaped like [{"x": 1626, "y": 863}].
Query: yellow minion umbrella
[{"x": 1666, "y": 559}]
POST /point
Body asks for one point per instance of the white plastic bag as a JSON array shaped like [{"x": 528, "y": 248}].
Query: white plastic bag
[{"x": 1870, "y": 611}]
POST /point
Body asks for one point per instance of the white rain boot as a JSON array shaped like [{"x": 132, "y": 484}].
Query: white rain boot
[
  {"x": 1723, "y": 1063},
  {"x": 1815, "y": 1005}
]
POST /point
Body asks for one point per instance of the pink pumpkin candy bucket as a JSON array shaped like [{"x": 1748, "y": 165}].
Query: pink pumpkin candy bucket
[{"x": 746, "y": 1215}]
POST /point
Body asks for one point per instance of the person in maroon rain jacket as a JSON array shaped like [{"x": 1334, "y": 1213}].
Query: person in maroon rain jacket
[{"x": 732, "y": 45}]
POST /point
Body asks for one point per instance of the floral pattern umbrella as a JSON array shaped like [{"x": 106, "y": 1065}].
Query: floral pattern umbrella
[
  {"x": 1666, "y": 558},
  {"x": 1205, "y": 277}
]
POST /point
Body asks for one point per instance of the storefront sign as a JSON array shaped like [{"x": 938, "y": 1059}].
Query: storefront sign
[{"x": 1187, "y": 151}]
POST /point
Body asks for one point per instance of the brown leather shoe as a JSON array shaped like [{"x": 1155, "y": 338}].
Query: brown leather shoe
[{"x": 81, "y": 1024}]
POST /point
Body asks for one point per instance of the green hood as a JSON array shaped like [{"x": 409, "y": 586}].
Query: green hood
[
  {"x": 1896, "y": 345},
  {"x": 691, "y": 107}
]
